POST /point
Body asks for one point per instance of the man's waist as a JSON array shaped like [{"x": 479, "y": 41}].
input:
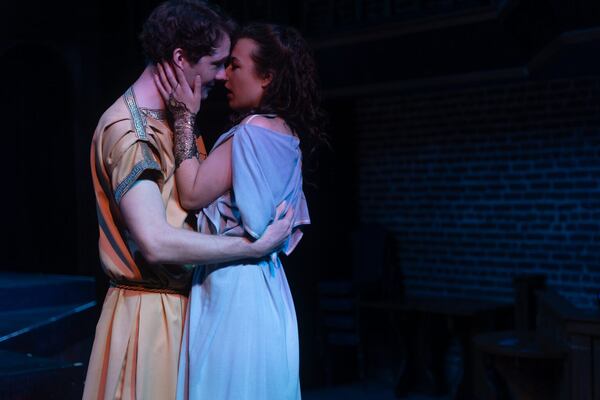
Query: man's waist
[{"x": 149, "y": 287}]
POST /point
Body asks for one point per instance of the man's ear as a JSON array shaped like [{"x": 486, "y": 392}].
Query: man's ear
[
  {"x": 178, "y": 57},
  {"x": 267, "y": 79}
]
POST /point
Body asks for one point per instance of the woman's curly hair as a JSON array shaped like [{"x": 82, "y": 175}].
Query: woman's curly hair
[
  {"x": 293, "y": 92},
  {"x": 192, "y": 25}
]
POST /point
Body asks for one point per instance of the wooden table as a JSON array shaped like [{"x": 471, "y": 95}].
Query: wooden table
[
  {"x": 429, "y": 327},
  {"x": 528, "y": 365}
]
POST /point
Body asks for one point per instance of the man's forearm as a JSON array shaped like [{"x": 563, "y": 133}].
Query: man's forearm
[
  {"x": 178, "y": 246},
  {"x": 144, "y": 213}
]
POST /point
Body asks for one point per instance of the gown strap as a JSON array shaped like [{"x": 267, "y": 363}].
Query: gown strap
[{"x": 256, "y": 115}]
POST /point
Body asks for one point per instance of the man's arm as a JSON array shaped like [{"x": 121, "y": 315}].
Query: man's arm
[{"x": 159, "y": 242}]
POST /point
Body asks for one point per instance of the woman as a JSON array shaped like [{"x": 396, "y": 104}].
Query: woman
[{"x": 241, "y": 337}]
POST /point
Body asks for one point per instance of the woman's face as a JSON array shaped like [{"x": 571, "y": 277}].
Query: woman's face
[{"x": 245, "y": 87}]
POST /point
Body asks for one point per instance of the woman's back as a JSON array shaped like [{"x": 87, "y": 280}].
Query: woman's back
[{"x": 266, "y": 170}]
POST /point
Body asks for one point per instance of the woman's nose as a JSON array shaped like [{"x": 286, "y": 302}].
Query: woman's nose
[{"x": 227, "y": 72}]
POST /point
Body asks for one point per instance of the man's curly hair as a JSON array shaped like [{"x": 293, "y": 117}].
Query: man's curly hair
[{"x": 195, "y": 26}]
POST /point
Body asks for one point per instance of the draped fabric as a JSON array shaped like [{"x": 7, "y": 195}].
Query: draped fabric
[{"x": 241, "y": 336}]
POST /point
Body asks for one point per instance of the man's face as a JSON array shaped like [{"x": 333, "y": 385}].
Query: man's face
[{"x": 210, "y": 67}]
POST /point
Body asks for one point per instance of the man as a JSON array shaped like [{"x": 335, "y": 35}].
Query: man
[{"x": 145, "y": 240}]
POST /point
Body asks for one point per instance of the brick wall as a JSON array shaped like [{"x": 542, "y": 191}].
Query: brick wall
[{"x": 482, "y": 183}]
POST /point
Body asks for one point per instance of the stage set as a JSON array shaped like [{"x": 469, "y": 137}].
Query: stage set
[{"x": 454, "y": 249}]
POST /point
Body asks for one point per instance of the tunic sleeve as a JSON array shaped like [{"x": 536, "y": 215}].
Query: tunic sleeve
[{"x": 129, "y": 158}]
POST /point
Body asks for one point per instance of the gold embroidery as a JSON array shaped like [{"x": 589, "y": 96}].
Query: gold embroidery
[
  {"x": 157, "y": 114},
  {"x": 139, "y": 123},
  {"x": 185, "y": 140}
]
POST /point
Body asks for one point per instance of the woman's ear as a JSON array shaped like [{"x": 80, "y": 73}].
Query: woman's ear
[
  {"x": 268, "y": 78},
  {"x": 178, "y": 57}
]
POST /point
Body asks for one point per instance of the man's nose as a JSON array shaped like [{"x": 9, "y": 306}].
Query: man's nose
[{"x": 220, "y": 74}]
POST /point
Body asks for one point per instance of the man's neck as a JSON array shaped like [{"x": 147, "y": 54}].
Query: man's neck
[{"x": 146, "y": 92}]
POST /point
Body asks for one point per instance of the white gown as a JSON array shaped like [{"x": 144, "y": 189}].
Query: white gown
[{"x": 241, "y": 336}]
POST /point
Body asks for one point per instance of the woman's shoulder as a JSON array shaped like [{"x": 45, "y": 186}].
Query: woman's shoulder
[{"x": 269, "y": 122}]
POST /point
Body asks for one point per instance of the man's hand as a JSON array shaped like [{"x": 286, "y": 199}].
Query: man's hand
[
  {"x": 172, "y": 85},
  {"x": 276, "y": 233}
]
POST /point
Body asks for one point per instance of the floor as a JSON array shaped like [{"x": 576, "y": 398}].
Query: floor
[{"x": 361, "y": 391}]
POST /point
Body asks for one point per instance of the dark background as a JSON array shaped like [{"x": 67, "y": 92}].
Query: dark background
[{"x": 469, "y": 129}]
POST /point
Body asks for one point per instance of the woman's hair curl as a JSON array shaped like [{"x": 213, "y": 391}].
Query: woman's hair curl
[{"x": 293, "y": 93}]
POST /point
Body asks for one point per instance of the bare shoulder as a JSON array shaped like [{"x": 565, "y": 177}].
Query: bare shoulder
[{"x": 276, "y": 124}]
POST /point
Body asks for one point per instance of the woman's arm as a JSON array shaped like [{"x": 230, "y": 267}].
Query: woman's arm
[{"x": 199, "y": 182}]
